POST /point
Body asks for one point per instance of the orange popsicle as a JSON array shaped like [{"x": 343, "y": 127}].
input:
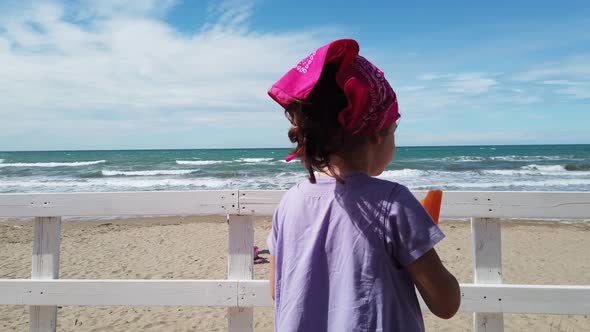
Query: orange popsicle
[{"x": 432, "y": 203}]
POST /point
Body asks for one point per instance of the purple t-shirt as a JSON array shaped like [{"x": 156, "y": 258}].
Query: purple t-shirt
[{"x": 340, "y": 253}]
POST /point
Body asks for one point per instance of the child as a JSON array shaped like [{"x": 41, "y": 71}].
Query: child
[{"x": 347, "y": 248}]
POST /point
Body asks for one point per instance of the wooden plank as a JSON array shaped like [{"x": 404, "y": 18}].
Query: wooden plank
[
  {"x": 487, "y": 250},
  {"x": 120, "y": 204},
  {"x": 255, "y": 293},
  {"x": 537, "y": 205},
  {"x": 219, "y": 293},
  {"x": 259, "y": 202},
  {"x": 487, "y": 267},
  {"x": 45, "y": 265},
  {"x": 43, "y": 318},
  {"x": 240, "y": 267},
  {"x": 46, "y": 245},
  {"x": 526, "y": 299}
]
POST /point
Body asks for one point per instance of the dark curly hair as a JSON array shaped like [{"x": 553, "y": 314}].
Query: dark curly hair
[{"x": 315, "y": 127}]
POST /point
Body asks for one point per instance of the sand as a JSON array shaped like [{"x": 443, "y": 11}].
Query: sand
[{"x": 196, "y": 248}]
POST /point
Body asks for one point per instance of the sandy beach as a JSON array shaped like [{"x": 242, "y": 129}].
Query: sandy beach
[{"x": 196, "y": 248}]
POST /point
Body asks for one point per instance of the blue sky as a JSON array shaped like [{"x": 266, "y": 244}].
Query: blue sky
[{"x": 119, "y": 74}]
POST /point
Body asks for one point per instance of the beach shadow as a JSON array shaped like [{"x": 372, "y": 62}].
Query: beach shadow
[{"x": 261, "y": 260}]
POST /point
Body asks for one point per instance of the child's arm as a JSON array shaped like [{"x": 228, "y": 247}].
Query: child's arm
[
  {"x": 271, "y": 276},
  {"x": 438, "y": 287}
]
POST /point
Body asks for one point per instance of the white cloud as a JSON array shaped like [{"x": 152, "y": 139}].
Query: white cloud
[
  {"x": 568, "y": 77},
  {"x": 428, "y": 77},
  {"x": 470, "y": 83},
  {"x": 462, "y": 83},
  {"x": 410, "y": 88},
  {"x": 124, "y": 62},
  {"x": 93, "y": 9},
  {"x": 231, "y": 15},
  {"x": 576, "y": 68},
  {"x": 561, "y": 82},
  {"x": 576, "y": 92}
]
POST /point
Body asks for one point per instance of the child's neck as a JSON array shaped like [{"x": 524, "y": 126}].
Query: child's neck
[{"x": 351, "y": 163}]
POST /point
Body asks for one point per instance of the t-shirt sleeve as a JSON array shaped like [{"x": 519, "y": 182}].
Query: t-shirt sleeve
[
  {"x": 271, "y": 240},
  {"x": 411, "y": 230}
]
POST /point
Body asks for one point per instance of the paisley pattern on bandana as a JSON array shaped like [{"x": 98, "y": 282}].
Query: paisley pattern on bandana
[{"x": 372, "y": 103}]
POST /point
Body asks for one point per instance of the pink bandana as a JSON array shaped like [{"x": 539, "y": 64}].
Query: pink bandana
[{"x": 372, "y": 103}]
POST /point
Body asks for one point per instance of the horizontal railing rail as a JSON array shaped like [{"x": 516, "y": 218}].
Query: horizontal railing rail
[
  {"x": 538, "y": 299},
  {"x": 456, "y": 204}
]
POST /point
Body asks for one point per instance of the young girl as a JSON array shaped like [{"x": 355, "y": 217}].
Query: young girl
[{"x": 346, "y": 248}]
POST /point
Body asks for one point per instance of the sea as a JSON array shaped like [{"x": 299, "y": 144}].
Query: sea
[{"x": 462, "y": 168}]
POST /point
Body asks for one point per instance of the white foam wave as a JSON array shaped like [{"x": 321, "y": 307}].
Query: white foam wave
[
  {"x": 200, "y": 162},
  {"x": 518, "y": 184},
  {"x": 404, "y": 173},
  {"x": 415, "y": 179},
  {"x": 117, "y": 184},
  {"x": 528, "y": 158},
  {"x": 505, "y": 158},
  {"x": 55, "y": 164},
  {"x": 545, "y": 168},
  {"x": 282, "y": 180},
  {"x": 254, "y": 160},
  {"x": 465, "y": 158},
  {"x": 150, "y": 173},
  {"x": 1, "y": 161},
  {"x": 550, "y": 170},
  {"x": 510, "y": 172}
]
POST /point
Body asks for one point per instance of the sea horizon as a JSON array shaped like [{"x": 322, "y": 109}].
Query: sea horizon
[{"x": 277, "y": 148}]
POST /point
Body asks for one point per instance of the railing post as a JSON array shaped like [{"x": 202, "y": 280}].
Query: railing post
[
  {"x": 240, "y": 267},
  {"x": 46, "y": 242},
  {"x": 487, "y": 267}
]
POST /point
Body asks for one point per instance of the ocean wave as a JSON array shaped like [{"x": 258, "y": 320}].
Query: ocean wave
[
  {"x": 505, "y": 158},
  {"x": 454, "y": 173},
  {"x": 461, "y": 167},
  {"x": 201, "y": 162},
  {"x": 529, "y": 158},
  {"x": 521, "y": 173},
  {"x": 516, "y": 184},
  {"x": 413, "y": 178},
  {"x": 403, "y": 173},
  {"x": 117, "y": 184},
  {"x": 545, "y": 168},
  {"x": 150, "y": 173},
  {"x": 254, "y": 160},
  {"x": 465, "y": 158},
  {"x": 577, "y": 167},
  {"x": 55, "y": 164},
  {"x": 97, "y": 174},
  {"x": 561, "y": 170}
]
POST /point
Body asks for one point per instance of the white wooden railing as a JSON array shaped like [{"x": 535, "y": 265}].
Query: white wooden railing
[{"x": 486, "y": 297}]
